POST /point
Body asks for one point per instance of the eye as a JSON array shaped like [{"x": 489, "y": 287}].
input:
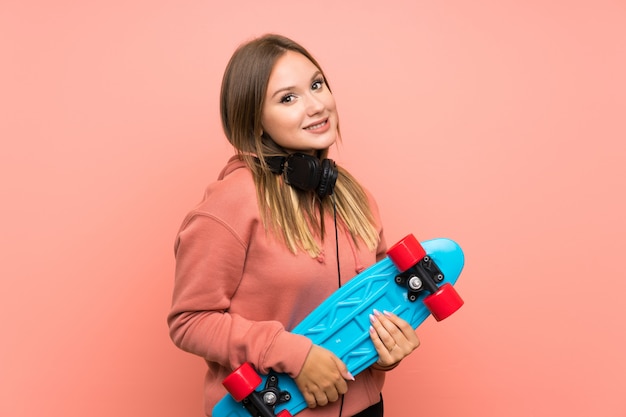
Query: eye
[
  {"x": 318, "y": 84},
  {"x": 287, "y": 98}
]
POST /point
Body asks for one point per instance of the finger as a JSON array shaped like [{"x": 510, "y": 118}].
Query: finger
[
  {"x": 384, "y": 355},
  {"x": 395, "y": 344},
  {"x": 385, "y": 329},
  {"x": 400, "y": 330},
  {"x": 332, "y": 396},
  {"x": 321, "y": 398},
  {"x": 343, "y": 369},
  {"x": 399, "y": 323},
  {"x": 378, "y": 344},
  {"x": 311, "y": 402},
  {"x": 405, "y": 328},
  {"x": 342, "y": 387},
  {"x": 383, "y": 348}
]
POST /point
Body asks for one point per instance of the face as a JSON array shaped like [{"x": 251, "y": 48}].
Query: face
[{"x": 299, "y": 112}]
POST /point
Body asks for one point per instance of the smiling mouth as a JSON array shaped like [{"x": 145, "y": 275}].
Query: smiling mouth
[{"x": 316, "y": 126}]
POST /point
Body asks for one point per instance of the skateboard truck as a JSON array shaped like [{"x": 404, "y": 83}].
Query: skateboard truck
[
  {"x": 242, "y": 383},
  {"x": 418, "y": 273},
  {"x": 423, "y": 276}
]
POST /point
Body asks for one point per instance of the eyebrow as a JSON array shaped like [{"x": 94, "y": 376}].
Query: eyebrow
[{"x": 280, "y": 90}]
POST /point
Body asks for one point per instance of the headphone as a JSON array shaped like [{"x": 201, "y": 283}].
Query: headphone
[{"x": 306, "y": 172}]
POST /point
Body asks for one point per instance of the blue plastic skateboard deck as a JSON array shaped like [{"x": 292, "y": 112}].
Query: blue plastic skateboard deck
[{"x": 341, "y": 324}]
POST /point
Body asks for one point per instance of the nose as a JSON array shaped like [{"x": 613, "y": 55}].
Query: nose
[{"x": 314, "y": 104}]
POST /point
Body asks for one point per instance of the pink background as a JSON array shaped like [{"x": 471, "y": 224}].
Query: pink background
[{"x": 500, "y": 124}]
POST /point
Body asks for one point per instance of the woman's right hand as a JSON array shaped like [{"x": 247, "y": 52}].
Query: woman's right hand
[{"x": 323, "y": 377}]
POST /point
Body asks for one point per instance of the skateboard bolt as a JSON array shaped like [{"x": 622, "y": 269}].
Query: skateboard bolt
[
  {"x": 269, "y": 398},
  {"x": 415, "y": 283}
]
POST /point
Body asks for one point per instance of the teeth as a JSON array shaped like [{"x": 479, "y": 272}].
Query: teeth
[{"x": 316, "y": 126}]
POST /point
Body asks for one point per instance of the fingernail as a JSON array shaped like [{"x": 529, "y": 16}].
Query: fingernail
[
  {"x": 376, "y": 312},
  {"x": 386, "y": 313},
  {"x": 350, "y": 376},
  {"x": 372, "y": 318}
]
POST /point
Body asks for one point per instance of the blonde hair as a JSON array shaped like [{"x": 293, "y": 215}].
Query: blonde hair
[{"x": 297, "y": 216}]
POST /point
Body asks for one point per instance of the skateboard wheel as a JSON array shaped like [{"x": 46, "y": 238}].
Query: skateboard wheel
[
  {"x": 406, "y": 253},
  {"x": 284, "y": 413},
  {"x": 242, "y": 382},
  {"x": 444, "y": 302}
]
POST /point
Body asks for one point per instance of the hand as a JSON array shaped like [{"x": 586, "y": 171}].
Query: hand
[
  {"x": 323, "y": 377},
  {"x": 394, "y": 339}
]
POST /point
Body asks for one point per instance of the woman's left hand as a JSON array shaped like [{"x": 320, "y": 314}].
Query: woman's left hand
[{"x": 394, "y": 339}]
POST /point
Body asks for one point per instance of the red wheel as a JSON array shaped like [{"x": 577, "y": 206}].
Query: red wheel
[
  {"x": 444, "y": 302},
  {"x": 406, "y": 253},
  {"x": 284, "y": 413},
  {"x": 242, "y": 382}
]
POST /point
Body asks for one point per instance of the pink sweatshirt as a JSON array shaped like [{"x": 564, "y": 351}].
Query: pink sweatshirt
[{"x": 238, "y": 290}]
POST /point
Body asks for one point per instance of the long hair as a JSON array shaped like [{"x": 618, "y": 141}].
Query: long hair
[{"x": 297, "y": 216}]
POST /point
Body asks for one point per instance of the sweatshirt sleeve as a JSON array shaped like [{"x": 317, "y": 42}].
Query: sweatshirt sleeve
[{"x": 210, "y": 258}]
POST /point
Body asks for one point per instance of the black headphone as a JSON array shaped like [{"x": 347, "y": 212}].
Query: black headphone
[{"x": 306, "y": 172}]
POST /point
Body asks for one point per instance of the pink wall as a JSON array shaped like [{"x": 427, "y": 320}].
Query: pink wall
[{"x": 497, "y": 123}]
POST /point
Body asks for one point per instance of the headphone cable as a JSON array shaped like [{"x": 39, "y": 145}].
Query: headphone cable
[{"x": 332, "y": 196}]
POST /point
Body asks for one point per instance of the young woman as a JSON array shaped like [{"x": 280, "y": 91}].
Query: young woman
[{"x": 281, "y": 230}]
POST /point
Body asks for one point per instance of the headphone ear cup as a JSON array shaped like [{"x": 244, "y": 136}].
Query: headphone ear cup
[
  {"x": 302, "y": 171},
  {"x": 306, "y": 172},
  {"x": 328, "y": 178},
  {"x": 276, "y": 164}
]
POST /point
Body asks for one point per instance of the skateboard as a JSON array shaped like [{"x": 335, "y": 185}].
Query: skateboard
[{"x": 414, "y": 281}]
